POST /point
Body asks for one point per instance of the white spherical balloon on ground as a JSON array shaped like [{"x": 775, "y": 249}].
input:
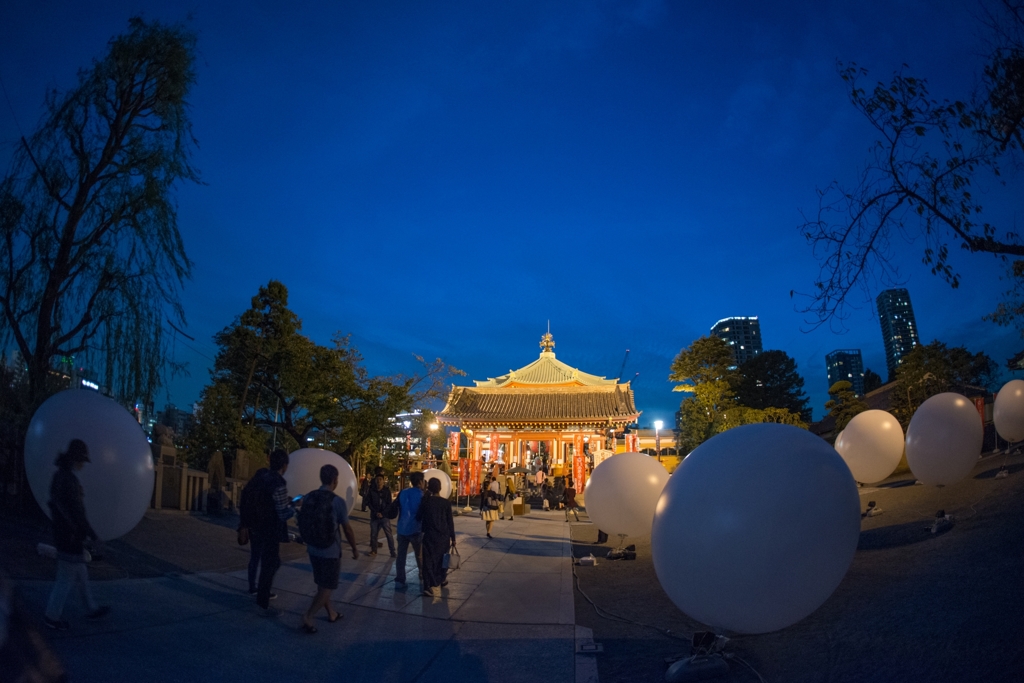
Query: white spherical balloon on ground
[
  {"x": 944, "y": 439},
  {"x": 118, "y": 482},
  {"x": 872, "y": 445},
  {"x": 756, "y": 528},
  {"x": 303, "y": 474},
  {"x": 446, "y": 481},
  {"x": 622, "y": 493},
  {"x": 1008, "y": 412}
]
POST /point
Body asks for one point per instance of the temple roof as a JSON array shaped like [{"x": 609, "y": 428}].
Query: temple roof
[
  {"x": 610, "y": 404},
  {"x": 546, "y": 370},
  {"x": 544, "y": 392}
]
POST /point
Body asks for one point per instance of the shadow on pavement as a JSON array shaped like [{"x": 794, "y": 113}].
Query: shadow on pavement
[
  {"x": 897, "y": 535},
  {"x": 991, "y": 474}
]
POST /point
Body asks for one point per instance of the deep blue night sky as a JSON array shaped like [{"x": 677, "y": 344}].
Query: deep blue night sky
[{"x": 444, "y": 178}]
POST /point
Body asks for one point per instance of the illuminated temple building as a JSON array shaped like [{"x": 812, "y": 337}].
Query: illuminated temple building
[{"x": 545, "y": 413}]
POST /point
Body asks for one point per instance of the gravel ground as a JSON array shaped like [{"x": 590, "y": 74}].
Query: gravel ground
[{"x": 913, "y": 606}]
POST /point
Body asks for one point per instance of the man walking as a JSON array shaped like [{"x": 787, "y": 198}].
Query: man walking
[
  {"x": 410, "y": 529},
  {"x": 379, "y": 502},
  {"x": 270, "y": 511},
  {"x": 70, "y": 529},
  {"x": 321, "y": 514}
]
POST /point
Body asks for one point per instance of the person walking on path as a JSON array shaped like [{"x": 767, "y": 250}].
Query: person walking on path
[
  {"x": 321, "y": 514},
  {"x": 435, "y": 514},
  {"x": 269, "y": 510},
  {"x": 364, "y": 488},
  {"x": 70, "y": 529},
  {"x": 569, "y": 500},
  {"x": 410, "y": 530},
  {"x": 489, "y": 508},
  {"x": 379, "y": 503},
  {"x": 510, "y": 497}
]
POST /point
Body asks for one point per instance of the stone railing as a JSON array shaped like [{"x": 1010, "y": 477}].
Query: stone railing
[{"x": 179, "y": 488}]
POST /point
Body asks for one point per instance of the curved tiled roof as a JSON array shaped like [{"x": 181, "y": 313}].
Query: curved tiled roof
[
  {"x": 494, "y": 405},
  {"x": 546, "y": 370}
]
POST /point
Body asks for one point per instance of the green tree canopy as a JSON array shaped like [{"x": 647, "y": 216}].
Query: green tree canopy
[
  {"x": 92, "y": 260},
  {"x": 844, "y": 404},
  {"x": 281, "y": 379},
  {"x": 770, "y": 380},
  {"x": 703, "y": 370},
  {"x": 934, "y": 368}
]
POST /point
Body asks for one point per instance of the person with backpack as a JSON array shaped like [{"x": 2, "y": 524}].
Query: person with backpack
[
  {"x": 321, "y": 514},
  {"x": 265, "y": 510}
]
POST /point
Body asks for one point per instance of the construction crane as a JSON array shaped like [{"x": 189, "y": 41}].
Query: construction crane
[{"x": 623, "y": 368}]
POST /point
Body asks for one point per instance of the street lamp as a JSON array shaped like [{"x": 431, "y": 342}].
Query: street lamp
[
  {"x": 430, "y": 454},
  {"x": 658, "y": 424}
]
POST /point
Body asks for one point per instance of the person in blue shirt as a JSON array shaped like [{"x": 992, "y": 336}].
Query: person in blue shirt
[
  {"x": 409, "y": 528},
  {"x": 326, "y": 561}
]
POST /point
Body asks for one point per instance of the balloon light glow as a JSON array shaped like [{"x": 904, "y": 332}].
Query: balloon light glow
[
  {"x": 118, "y": 482},
  {"x": 756, "y": 528}
]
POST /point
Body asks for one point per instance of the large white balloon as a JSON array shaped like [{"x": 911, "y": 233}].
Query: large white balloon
[
  {"x": 756, "y": 528},
  {"x": 623, "y": 491},
  {"x": 838, "y": 445},
  {"x": 118, "y": 482},
  {"x": 871, "y": 445},
  {"x": 944, "y": 439},
  {"x": 1008, "y": 412},
  {"x": 303, "y": 474},
  {"x": 446, "y": 481}
]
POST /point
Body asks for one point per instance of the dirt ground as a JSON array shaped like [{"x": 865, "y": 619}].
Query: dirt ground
[{"x": 913, "y": 607}]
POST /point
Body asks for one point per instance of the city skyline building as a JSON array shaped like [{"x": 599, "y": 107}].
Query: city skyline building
[
  {"x": 899, "y": 328},
  {"x": 742, "y": 334},
  {"x": 846, "y": 364}
]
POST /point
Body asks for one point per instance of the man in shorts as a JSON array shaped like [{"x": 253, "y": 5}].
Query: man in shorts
[{"x": 326, "y": 561}]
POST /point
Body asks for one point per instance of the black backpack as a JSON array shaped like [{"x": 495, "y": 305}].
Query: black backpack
[
  {"x": 256, "y": 509},
  {"x": 317, "y": 523}
]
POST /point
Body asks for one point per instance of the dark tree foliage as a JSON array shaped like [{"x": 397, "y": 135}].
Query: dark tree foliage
[
  {"x": 844, "y": 404},
  {"x": 872, "y": 380},
  {"x": 770, "y": 380},
  {"x": 91, "y": 260},
  {"x": 919, "y": 183},
  {"x": 268, "y": 375},
  {"x": 935, "y": 368}
]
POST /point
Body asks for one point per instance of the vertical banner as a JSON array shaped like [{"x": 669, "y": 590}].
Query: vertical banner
[
  {"x": 454, "y": 441},
  {"x": 463, "y": 476},
  {"x": 979, "y": 403},
  {"x": 495, "y": 447},
  {"x": 474, "y": 469},
  {"x": 579, "y": 463},
  {"x": 632, "y": 442}
]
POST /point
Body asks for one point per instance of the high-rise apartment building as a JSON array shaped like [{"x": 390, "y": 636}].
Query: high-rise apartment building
[
  {"x": 846, "y": 364},
  {"x": 743, "y": 335},
  {"x": 899, "y": 329}
]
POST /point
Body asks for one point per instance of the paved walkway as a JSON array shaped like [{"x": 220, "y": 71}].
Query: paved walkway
[{"x": 507, "y": 615}]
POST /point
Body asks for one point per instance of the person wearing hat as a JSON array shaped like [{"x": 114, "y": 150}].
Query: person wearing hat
[{"x": 70, "y": 529}]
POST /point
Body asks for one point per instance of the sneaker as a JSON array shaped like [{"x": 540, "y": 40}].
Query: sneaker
[
  {"x": 273, "y": 596},
  {"x": 372, "y": 553},
  {"x": 98, "y": 614},
  {"x": 270, "y": 612},
  {"x": 400, "y": 584},
  {"x": 56, "y": 624}
]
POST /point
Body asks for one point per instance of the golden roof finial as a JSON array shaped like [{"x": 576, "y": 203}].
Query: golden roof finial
[{"x": 547, "y": 342}]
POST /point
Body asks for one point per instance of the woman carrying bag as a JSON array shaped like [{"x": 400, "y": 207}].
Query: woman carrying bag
[{"x": 489, "y": 509}]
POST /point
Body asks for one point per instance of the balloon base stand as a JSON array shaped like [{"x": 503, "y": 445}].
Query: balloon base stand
[
  {"x": 704, "y": 662},
  {"x": 697, "y": 668},
  {"x": 1002, "y": 473},
  {"x": 942, "y": 523}
]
